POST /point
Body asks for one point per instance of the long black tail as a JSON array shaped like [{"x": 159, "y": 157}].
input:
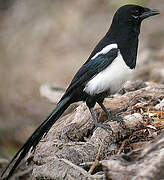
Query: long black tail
[{"x": 42, "y": 130}]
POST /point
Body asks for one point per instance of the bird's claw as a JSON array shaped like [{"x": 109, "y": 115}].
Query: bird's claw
[
  {"x": 106, "y": 127},
  {"x": 119, "y": 119}
]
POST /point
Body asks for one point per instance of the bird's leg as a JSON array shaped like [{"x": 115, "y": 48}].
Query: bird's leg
[
  {"x": 110, "y": 117},
  {"x": 105, "y": 110},
  {"x": 97, "y": 124}
]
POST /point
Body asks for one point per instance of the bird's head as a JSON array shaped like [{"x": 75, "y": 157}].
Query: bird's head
[
  {"x": 128, "y": 18},
  {"x": 133, "y": 14}
]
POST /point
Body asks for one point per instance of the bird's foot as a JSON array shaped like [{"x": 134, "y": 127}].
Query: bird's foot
[
  {"x": 106, "y": 127},
  {"x": 119, "y": 119}
]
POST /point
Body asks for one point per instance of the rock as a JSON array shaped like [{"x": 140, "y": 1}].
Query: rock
[
  {"x": 149, "y": 165},
  {"x": 74, "y": 149}
]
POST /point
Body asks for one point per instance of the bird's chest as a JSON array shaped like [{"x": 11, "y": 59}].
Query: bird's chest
[{"x": 110, "y": 79}]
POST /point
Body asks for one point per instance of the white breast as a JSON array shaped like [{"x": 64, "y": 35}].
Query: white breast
[{"x": 112, "y": 78}]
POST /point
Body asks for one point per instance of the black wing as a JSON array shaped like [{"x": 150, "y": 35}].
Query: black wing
[{"x": 91, "y": 68}]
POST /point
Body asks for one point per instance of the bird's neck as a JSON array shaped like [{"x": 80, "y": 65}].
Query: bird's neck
[{"x": 127, "y": 39}]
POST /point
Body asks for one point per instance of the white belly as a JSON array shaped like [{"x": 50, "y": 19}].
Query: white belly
[{"x": 110, "y": 79}]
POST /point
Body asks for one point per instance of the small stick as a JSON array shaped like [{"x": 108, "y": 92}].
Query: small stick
[
  {"x": 122, "y": 146},
  {"x": 96, "y": 162}
]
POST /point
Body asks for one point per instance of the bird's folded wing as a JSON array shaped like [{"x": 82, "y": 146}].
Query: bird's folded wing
[{"x": 92, "y": 68}]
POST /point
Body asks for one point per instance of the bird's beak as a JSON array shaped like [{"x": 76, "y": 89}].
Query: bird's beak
[{"x": 149, "y": 12}]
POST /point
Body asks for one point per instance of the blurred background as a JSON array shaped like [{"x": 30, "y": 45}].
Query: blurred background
[{"x": 46, "y": 42}]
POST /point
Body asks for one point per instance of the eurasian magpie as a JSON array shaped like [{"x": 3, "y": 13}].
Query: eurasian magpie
[{"x": 108, "y": 67}]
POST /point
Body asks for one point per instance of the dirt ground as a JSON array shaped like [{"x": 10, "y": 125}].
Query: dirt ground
[{"x": 46, "y": 42}]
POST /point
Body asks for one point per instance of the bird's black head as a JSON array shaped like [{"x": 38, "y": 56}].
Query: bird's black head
[
  {"x": 127, "y": 21},
  {"x": 133, "y": 14}
]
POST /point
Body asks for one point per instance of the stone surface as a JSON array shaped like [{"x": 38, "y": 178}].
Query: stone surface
[{"x": 132, "y": 151}]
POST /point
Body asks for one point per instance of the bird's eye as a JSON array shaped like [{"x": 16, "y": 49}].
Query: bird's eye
[{"x": 135, "y": 12}]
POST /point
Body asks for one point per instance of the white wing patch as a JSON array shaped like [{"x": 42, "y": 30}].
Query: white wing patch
[
  {"x": 110, "y": 79},
  {"x": 105, "y": 50}
]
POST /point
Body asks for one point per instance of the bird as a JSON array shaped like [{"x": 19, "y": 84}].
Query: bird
[{"x": 111, "y": 63}]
